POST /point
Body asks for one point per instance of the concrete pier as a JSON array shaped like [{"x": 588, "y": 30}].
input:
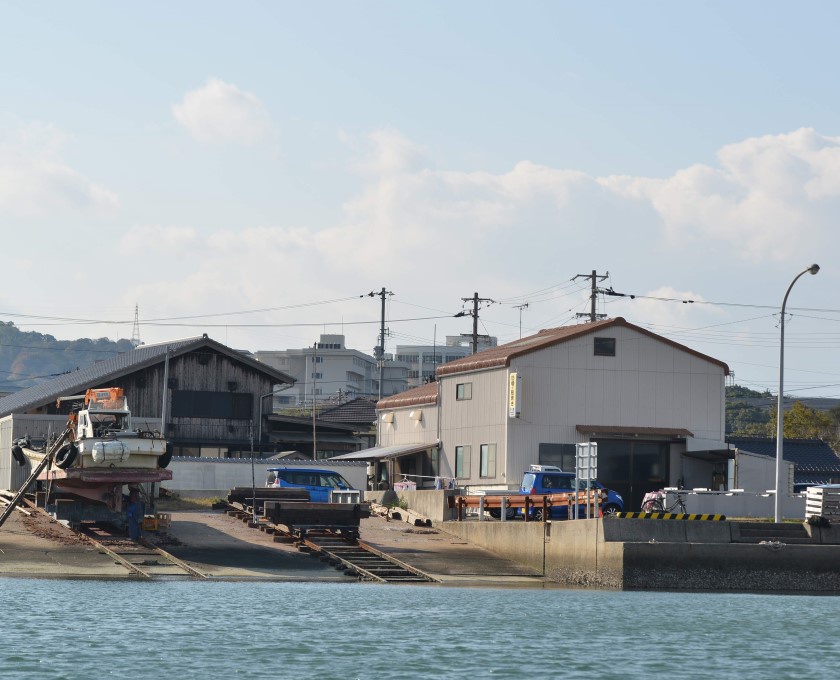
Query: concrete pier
[{"x": 639, "y": 554}]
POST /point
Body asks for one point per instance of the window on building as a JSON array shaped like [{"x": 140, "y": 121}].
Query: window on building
[
  {"x": 487, "y": 464},
  {"x": 226, "y": 405},
  {"x": 317, "y": 376},
  {"x": 319, "y": 360},
  {"x": 561, "y": 455},
  {"x": 463, "y": 391},
  {"x": 462, "y": 462},
  {"x": 604, "y": 347}
]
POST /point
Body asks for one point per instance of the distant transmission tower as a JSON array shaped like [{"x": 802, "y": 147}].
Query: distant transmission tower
[{"x": 135, "y": 331}]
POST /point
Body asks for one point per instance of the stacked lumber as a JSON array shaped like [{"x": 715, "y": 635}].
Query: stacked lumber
[
  {"x": 297, "y": 514},
  {"x": 245, "y": 494}
]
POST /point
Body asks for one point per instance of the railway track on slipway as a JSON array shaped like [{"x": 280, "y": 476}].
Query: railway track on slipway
[
  {"x": 141, "y": 558},
  {"x": 348, "y": 554},
  {"x": 362, "y": 560}
]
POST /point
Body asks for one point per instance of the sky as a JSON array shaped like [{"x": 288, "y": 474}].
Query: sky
[{"x": 255, "y": 170}]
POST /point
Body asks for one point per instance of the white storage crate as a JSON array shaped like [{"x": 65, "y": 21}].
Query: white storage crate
[{"x": 823, "y": 501}]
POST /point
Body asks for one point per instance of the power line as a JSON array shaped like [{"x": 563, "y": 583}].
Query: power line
[
  {"x": 64, "y": 349},
  {"x": 182, "y": 318},
  {"x": 267, "y": 325}
]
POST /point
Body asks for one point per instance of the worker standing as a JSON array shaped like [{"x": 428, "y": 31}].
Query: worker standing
[{"x": 135, "y": 511}]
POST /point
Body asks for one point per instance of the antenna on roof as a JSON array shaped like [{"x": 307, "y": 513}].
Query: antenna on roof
[{"x": 135, "y": 330}]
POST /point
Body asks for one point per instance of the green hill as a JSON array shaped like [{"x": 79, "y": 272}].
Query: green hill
[{"x": 28, "y": 358}]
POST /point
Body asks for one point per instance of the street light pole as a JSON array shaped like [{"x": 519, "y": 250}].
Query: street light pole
[
  {"x": 259, "y": 447},
  {"x": 780, "y": 414}
]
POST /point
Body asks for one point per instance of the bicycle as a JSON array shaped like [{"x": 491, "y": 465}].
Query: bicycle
[{"x": 655, "y": 501}]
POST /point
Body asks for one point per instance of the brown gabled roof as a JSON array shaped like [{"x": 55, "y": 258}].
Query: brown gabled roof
[
  {"x": 425, "y": 394},
  {"x": 500, "y": 356}
]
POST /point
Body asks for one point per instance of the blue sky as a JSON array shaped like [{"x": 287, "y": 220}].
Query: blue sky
[{"x": 207, "y": 159}]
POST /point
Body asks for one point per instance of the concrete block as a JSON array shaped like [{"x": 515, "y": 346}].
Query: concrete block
[
  {"x": 644, "y": 530},
  {"x": 702, "y": 531}
]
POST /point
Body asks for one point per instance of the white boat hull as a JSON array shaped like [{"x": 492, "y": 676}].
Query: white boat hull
[{"x": 128, "y": 451}]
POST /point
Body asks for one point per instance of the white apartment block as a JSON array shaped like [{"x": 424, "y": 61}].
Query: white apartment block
[
  {"x": 332, "y": 372},
  {"x": 423, "y": 360}
]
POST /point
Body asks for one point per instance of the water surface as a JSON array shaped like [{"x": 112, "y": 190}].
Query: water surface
[{"x": 186, "y": 629}]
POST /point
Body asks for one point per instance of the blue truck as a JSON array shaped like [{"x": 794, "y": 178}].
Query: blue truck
[
  {"x": 550, "y": 479},
  {"x": 547, "y": 479},
  {"x": 319, "y": 483}
]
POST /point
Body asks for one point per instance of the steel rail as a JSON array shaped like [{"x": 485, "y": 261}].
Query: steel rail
[
  {"x": 399, "y": 563},
  {"x": 175, "y": 560}
]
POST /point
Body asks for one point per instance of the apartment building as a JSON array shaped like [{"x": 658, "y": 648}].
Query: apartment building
[
  {"x": 422, "y": 360},
  {"x": 330, "y": 372}
]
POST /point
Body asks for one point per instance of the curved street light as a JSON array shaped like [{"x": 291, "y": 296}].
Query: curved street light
[{"x": 780, "y": 415}]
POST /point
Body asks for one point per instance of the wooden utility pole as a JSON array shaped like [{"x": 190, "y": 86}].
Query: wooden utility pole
[
  {"x": 593, "y": 317},
  {"x": 474, "y": 313},
  {"x": 520, "y": 308},
  {"x": 379, "y": 350}
]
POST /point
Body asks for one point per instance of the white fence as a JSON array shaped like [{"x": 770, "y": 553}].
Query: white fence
[{"x": 737, "y": 503}]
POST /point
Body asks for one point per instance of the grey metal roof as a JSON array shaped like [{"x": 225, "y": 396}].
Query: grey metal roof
[
  {"x": 380, "y": 452},
  {"x": 358, "y": 410},
  {"x": 814, "y": 458},
  {"x": 96, "y": 374}
]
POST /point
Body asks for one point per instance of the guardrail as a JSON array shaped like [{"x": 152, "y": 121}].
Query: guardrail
[{"x": 529, "y": 503}]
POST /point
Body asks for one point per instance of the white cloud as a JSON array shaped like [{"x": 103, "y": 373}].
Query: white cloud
[
  {"x": 669, "y": 308},
  {"x": 772, "y": 198},
  {"x": 36, "y": 182},
  {"x": 438, "y": 235},
  {"x": 390, "y": 152},
  {"x": 158, "y": 239},
  {"x": 220, "y": 112}
]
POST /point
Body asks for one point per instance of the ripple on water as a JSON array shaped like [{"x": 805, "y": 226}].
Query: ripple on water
[{"x": 179, "y": 629}]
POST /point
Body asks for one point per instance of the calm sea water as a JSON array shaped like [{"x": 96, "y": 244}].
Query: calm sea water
[{"x": 179, "y": 629}]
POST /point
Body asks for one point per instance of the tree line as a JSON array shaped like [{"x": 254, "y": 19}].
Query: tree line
[{"x": 754, "y": 414}]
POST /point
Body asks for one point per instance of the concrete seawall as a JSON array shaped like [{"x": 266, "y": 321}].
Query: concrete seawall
[{"x": 668, "y": 555}]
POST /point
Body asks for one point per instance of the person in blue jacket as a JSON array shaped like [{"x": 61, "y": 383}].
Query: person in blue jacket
[{"x": 135, "y": 511}]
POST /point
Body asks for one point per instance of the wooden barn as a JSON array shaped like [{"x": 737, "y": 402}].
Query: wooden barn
[{"x": 209, "y": 400}]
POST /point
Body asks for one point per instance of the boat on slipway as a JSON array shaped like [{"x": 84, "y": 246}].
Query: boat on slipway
[{"x": 100, "y": 453}]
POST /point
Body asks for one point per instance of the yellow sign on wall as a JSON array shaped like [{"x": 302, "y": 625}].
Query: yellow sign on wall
[{"x": 514, "y": 395}]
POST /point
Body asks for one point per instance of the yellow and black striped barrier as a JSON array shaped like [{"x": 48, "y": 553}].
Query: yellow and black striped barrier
[{"x": 670, "y": 515}]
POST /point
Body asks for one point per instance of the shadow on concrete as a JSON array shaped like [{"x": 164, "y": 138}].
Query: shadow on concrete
[{"x": 220, "y": 554}]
